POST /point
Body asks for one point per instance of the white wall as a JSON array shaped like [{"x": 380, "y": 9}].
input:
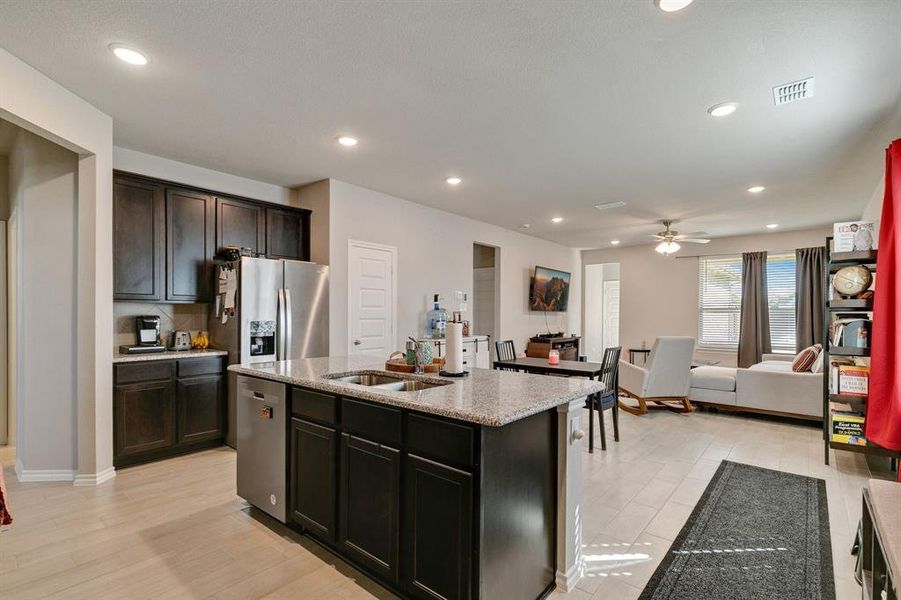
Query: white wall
[
  {"x": 659, "y": 295},
  {"x": 45, "y": 202},
  {"x": 140, "y": 163},
  {"x": 435, "y": 256},
  {"x": 34, "y": 102}
]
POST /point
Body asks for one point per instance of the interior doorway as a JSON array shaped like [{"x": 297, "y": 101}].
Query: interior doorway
[
  {"x": 485, "y": 292},
  {"x": 601, "y": 309}
]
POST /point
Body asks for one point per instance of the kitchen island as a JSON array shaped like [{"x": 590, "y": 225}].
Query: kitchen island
[{"x": 437, "y": 487}]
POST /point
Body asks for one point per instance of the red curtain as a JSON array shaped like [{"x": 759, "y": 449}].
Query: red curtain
[{"x": 883, "y": 424}]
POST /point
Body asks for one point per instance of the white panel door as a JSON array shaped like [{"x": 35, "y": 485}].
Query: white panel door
[
  {"x": 372, "y": 287},
  {"x": 611, "y": 313}
]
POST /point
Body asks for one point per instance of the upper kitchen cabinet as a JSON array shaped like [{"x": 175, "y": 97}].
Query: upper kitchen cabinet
[
  {"x": 139, "y": 213},
  {"x": 189, "y": 245},
  {"x": 288, "y": 233},
  {"x": 240, "y": 223}
]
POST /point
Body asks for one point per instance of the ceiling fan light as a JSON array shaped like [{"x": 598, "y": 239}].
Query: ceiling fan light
[{"x": 667, "y": 247}]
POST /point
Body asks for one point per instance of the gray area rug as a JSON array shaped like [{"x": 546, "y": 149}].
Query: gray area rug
[{"x": 756, "y": 534}]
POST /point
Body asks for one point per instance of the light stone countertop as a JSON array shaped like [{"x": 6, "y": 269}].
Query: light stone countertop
[
  {"x": 486, "y": 397},
  {"x": 167, "y": 355}
]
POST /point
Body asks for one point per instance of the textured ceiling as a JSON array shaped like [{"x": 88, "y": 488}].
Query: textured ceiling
[{"x": 544, "y": 108}]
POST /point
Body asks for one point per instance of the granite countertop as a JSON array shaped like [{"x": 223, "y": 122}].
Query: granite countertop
[
  {"x": 167, "y": 355},
  {"x": 885, "y": 498},
  {"x": 486, "y": 397}
]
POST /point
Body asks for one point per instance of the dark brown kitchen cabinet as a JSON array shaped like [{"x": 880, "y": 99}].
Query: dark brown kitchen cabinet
[
  {"x": 139, "y": 232},
  {"x": 240, "y": 223},
  {"x": 313, "y": 480},
  {"x": 437, "y": 532},
  {"x": 163, "y": 408},
  {"x": 189, "y": 245},
  {"x": 201, "y": 410},
  {"x": 144, "y": 417},
  {"x": 288, "y": 233},
  {"x": 370, "y": 504}
]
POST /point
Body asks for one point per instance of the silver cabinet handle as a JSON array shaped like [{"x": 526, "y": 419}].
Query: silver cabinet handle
[{"x": 289, "y": 326}]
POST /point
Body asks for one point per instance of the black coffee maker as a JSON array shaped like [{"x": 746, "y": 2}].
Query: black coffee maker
[{"x": 147, "y": 333}]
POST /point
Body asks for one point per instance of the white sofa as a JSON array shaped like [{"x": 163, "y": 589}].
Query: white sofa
[{"x": 769, "y": 387}]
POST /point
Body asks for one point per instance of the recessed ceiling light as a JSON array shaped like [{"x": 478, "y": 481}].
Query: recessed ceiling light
[
  {"x": 129, "y": 55},
  {"x": 724, "y": 109},
  {"x": 756, "y": 189},
  {"x": 614, "y": 242},
  {"x": 557, "y": 220},
  {"x": 772, "y": 226},
  {"x": 346, "y": 140},
  {"x": 453, "y": 180},
  {"x": 524, "y": 226},
  {"x": 672, "y": 5}
]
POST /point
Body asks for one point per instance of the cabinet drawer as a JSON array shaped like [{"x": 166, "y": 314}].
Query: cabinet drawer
[
  {"x": 440, "y": 440},
  {"x": 189, "y": 367},
  {"x": 378, "y": 423},
  {"x": 150, "y": 370},
  {"x": 314, "y": 406}
]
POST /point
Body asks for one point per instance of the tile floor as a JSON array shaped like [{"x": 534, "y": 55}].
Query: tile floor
[{"x": 175, "y": 529}]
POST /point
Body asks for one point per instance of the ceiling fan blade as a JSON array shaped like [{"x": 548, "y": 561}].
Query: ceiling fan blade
[{"x": 694, "y": 240}]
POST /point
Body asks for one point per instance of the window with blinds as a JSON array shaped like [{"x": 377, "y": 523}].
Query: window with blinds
[
  {"x": 780, "y": 286},
  {"x": 719, "y": 301}
]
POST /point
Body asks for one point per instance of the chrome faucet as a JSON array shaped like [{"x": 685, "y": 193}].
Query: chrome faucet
[{"x": 416, "y": 347}]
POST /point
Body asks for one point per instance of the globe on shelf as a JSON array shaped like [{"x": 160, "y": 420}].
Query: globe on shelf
[{"x": 851, "y": 281}]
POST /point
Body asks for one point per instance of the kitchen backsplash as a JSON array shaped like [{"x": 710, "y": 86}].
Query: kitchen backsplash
[{"x": 189, "y": 317}]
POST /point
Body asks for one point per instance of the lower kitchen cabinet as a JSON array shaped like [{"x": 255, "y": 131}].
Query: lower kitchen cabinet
[
  {"x": 313, "y": 482},
  {"x": 433, "y": 508},
  {"x": 370, "y": 504},
  {"x": 163, "y": 408},
  {"x": 437, "y": 529}
]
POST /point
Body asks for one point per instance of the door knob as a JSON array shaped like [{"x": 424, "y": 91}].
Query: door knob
[
  {"x": 578, "y": 434},
  {"x": 357, "y": 342}
]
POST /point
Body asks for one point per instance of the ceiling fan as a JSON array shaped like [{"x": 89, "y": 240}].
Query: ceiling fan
[{"x": 669, "y": 239}]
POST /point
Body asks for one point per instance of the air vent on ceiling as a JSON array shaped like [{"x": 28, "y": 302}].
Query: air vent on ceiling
[
  {"x": 793, "y": 91},
  {"x": 610, "y": 205}
]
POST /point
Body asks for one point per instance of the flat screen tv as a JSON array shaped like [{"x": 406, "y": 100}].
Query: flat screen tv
[{"x": 550, "y": 290}]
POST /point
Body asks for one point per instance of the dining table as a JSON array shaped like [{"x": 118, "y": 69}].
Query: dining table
[{"x": 567, "y": 368}]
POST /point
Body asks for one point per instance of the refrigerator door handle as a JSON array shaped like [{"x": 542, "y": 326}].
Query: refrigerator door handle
[
  {"x": 281, "y": 327},
  {"x": 289, "y": 325}
]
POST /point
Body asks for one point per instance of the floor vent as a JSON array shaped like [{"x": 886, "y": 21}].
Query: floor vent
[{"x": 793, "y": 91}]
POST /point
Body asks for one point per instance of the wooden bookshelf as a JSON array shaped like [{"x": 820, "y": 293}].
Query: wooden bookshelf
[
  {"x": 848, "y": 351},
  {"x": 847, "y": 399},
  {"x": 851, "y": 303}
]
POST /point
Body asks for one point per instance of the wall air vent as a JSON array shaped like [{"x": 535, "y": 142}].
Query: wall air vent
[
  {"x": 610, "y": 205},
  {"x": 793, "y": 91}
]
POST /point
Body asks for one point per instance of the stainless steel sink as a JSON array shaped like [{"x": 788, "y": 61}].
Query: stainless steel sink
[{"x": 388, "y": 382}]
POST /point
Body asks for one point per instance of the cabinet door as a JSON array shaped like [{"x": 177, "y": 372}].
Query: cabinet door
[
  {"x": 438, "y": 506},
  {"x": 189, "y": 246},
  {"x": 138, "y": 235},
  {"x": 287, "y": 234},
  {"x": 314, "y": 477},
  {"x": 370, "y": 504},
  {"x": 143, "y": 416},
  {"x": 200, "y": 404},
  {"x": 240, "y": 223}
]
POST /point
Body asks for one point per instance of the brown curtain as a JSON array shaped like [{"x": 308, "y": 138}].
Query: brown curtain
[
  {"x": 810, "y": 296},
  {"x": 754, "y": 332}
]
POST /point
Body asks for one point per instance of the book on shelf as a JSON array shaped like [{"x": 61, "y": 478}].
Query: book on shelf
[
  {"x": 851, "y": 332},
  {"x": 854, "y": 236},
  {"x": 853, "y": 380},
  {"x": 847, "y": 428}
]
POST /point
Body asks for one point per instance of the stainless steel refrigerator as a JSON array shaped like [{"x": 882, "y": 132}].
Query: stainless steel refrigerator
[{"x": 281, "y": 313}]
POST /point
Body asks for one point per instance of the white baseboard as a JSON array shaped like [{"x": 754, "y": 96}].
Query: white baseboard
[
  {"x": 95, "y": 478},
  {"x": 38, "y": 475},
  {"x": 566, "y": 582}
]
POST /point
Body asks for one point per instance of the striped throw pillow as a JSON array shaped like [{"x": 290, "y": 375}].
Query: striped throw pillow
[{"x": 806, "y": 358}]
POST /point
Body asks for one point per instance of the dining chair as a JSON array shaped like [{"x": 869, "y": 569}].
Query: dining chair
[
  {"x": 505, "y": 350},
  {"x": 607, "y": 400}
]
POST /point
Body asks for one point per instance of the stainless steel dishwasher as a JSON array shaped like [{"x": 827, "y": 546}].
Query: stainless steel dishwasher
[{"x": 261, "y": 430}]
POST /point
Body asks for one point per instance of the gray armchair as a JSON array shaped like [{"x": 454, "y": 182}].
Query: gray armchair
[{"x": 665, "y": 379}]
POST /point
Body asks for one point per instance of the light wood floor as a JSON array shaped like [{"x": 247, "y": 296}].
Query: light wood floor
[{"x": 175, "y": 529}]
